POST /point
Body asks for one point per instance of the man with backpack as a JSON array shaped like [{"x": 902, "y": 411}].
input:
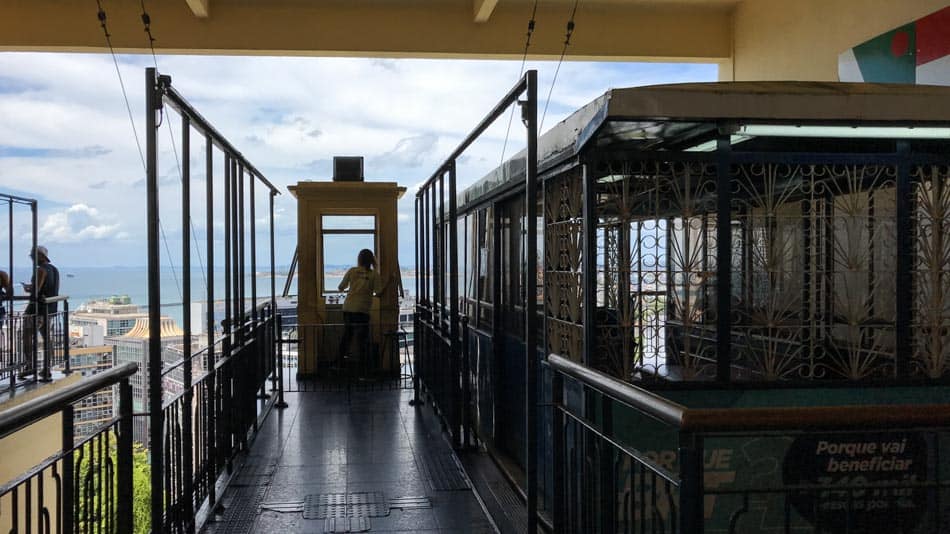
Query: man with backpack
[{"x": 44, "y": 286}]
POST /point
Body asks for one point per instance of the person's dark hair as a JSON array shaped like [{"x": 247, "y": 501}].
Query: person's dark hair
[{"x": 366, "y": 259}]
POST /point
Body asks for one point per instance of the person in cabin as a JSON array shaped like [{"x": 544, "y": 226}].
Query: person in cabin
[{"x": 361, "y": 283}]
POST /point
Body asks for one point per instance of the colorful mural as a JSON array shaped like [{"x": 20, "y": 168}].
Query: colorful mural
[{"x": 918, "y": 52}]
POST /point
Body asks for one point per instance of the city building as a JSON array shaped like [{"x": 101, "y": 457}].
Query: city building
[
  {"x": 93, "y": 411},
  {"x": 116, "y": 315},
  {"x": 133, "y": 347}
]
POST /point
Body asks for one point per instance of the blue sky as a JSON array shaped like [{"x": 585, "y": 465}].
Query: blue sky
[{"x": 66, "y": 138}]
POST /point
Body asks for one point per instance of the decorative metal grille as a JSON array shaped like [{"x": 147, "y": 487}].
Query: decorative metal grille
[
  {"x": 563, "y": 247},
  {"x": 813, "y": 261},
  {"x": 815, "y": 250},
  {"x": 656, "y": 250},
  {"x": 931, "y": 308}
]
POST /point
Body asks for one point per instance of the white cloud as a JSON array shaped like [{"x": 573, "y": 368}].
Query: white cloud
[
  {"x": 79, "y": 222},
  {"x": 404, "y": 116}
]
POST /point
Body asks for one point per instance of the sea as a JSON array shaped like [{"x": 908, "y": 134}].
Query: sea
[{"x": 84, "y": 284}]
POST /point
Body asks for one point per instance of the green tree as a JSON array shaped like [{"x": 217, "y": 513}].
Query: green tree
[{"x": 93, "y": 469}]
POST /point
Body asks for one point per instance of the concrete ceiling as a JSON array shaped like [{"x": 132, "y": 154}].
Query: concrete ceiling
[{"x": 683, "y": 30}]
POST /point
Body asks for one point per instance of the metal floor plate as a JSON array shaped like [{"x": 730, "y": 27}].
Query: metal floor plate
[
  {"x": 408, "y": 503},
  {"x": 255, "y": 474},
  {"x": 345, "y": 505},
  {"x": 511, "y": 504},
  {"x": 241, "y": 512},
  {"x": 347, "y": 524},
  {"x": 442, "y": 471}
]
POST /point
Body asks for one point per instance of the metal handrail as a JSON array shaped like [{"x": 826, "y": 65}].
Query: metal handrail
[
  {"x": 659, "y": 407},
  {"x": 510, "y": 98},
  {"x": 177, "y": 101},
  {"x": 767, "y": 419},
  {"x": 46, "y": 405}
]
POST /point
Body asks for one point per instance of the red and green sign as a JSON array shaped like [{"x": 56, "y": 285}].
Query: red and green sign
[{"x": 918, "y": 52}]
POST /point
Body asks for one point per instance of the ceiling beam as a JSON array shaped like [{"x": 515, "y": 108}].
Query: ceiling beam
[
  {"x": 199, "y": 8},
  {"x": 483, "y": 9}
]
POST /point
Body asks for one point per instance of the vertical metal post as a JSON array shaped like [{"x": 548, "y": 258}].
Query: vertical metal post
[
  {"x": 45, "y": 375},
  {"x": 228, "y": 305},
  {"x": 723, "y": 262},
  {"x": 416, "y": 328},
  {"x": 466, "y": 384},
  {"x": 559, "y": 506},
  {"x": 123, "y": 460},
  {"x": 209, "y": 248},
  {"x": 608, "y": 497},
  {"x": 530, "y": 111},
  {"x": 808, "y": 259},
  {"x": 905, "y": 262},
  {"x": 432, "y": 300},
  {"x": 456, "y": 350},
  {"x": 239, "y": 249},
  {"x": 279, "y": 364},
  {"x": 498, "y": 331},
  {"x": 68, "y": 493},
  {"x": 253, "y": 233},
  {"x": 210, "y": 391},
  {"x": 589, "y": 264},
  {"x": 242, "y": 259},
  {"x": 438, "y": 222},
  {"x": 156, "y": 443},
  {"x": 11, "y": 336},
  {"x": 187, "y": 438},
  {"x": 691, "y": 484},
  {"x": 68, "y": 366},
  {"x": 34, "y": 296}
]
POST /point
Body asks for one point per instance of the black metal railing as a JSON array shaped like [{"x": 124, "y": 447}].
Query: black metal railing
[
  {"x": 85, "y": 486},
  {"x": 315, "y": 357},
  {"x": 239, "y": 367},
  {"x": 32, "y": 346},
  {"x": 228, "y": 398},
  {"x": 628, "y": 460},
  {"x": 441, "y": 336},
  {"x": 442, "y": 380}
]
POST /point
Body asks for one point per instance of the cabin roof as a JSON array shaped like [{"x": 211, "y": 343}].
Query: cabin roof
[{"x": 680, "y": 117}]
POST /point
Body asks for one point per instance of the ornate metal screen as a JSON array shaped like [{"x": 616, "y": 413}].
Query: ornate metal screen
[
  {"x": 931, "y": 271},
  {"x": 814, "y": 279},
  {"x": 563, "y": 249},
  {"x": 813, "y": 289}
]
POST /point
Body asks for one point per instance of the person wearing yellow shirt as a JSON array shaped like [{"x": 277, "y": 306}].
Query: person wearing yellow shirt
[{"x": 361, "y": 283}]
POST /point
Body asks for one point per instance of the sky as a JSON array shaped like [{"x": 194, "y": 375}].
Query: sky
[{"x": 66, "y": 138}]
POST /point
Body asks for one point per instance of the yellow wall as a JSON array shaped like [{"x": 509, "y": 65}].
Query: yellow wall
[
  {"x": 395, "y": 28},
  {"x": 29, "y": 447},
  {"x": 801, "y": 39}
]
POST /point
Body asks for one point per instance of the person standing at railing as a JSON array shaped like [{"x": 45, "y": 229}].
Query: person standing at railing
[
  {"x": 362, "y": 282},
  {"x": 6, "y": 291},
  {"x": 44, "y": 286}
]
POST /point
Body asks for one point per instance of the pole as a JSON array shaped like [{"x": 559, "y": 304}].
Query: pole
[
  {"x": 156, "y": 443},
  {"x": 187, "y": 439},
  {"x": 531, "y": 306}
]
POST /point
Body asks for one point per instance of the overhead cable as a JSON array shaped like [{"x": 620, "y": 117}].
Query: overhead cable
[
  {"x": 567, "y": 42},
  {"x": 147, "y": 26},
  {"x": 524, "y": 57}
]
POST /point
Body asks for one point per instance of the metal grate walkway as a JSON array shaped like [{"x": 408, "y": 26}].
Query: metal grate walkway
[{"x": 351, "y": 461}]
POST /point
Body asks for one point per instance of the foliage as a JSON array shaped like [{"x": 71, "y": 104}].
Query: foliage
[{"x": 92, "y": 469}]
